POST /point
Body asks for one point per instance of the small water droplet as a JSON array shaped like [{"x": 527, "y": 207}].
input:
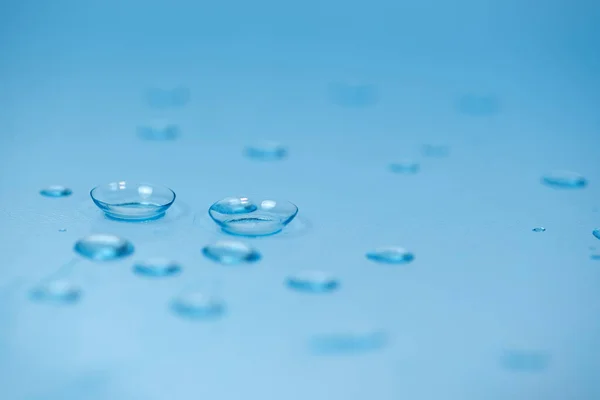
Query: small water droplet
[
  {"x": 157, "y": 267},
  {"x": 197, "y": 305},
  {"x": 313, "y": 282},
  {"x": 405, "y": 167},
  {"x": 348, "y": 343},
  {"x": 596, "y": 233},
  {"x": 234, "y": 205},
  {"x": 160, "y": 130},
  {"x": 390, "y": 255},
  {"x": 266, "y": 151},
  {"x": 525, "y": 361},
  {"x": 62, "y": 230},
  {"x": 56, "y": 191},
  {"x": 102, "y": 247},
  {"x": 435, "y": 150},
  {"x": 539, "y": 229},
  {"x": 231, "y": 252},
  {"x": 564, "y": 180},
  {"x": 57, "y": 292},
  {"x": 595, "y": 256}
]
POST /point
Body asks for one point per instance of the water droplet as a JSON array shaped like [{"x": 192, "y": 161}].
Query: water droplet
[
  {"x": 525, "y": 361},
  {"x": 62, "y": 230},
  {"x": 269, "y": 218},
  {"x": 539, "y": 229},
  {"x": 354, "y": 95},
  {"x": 133, "y": 201},
  {"x": 596, "y": 233},
  {"x": 157, "y": 267},
  {"x": 405, "y": 167},
  {"x": 101, "y": 247},
  {"x": 168, "y": 98},
  {"x": 231, "y": 252},
  {"x": 478, "y": 106},
  {"x": 564, "y": 180},
  {"x": 595, "y": 256},
  {"x": 56, "y": 191},
  {"x": 313, "y": 281},
  {"x": 435, "y": 150},
  {"x": 159, "y": 130},
  {"x": 348, "y": 343},
  {"x": 390, "y": 255},
  {"x": 266, "y": 151},
  {"x": 197, "y": 305},
  {"x": 234, "y": 205},
  {"x": 57, "y": 292}
]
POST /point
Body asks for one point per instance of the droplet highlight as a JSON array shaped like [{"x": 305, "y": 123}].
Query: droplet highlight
[
  {"x": 313, "y": 282},
  {"x": 266, "y": 151},
  {"x": 56, "y": 191},
  {"x": 157, "y": 268},
  {"x": 56, "y": 292},
  {"x": 133, "y": 202},
  {"x": 564, "y": 180},
  {"x": 231, "y": 252},
  {"x": 198, "y": 306},
  {"x": 390, "y": 255},
  {"x": 405, "y": 167},
  {"x": 539, "y": 229},
  {"x": 101, "y": 247}
]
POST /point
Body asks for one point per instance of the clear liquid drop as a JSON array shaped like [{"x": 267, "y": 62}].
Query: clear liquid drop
[
  {"x": 266, "y": 151},
  {"x": 539, "y": 229},
  {"x": 405, "y": 167},
  {"x": 62, "y": 230},
  {"x": 595, "y": 256},
  {"x": 102, "y": 247},
  {"x": 348, "y": 343},
  {"x": 56, "y": 191},
  {"x": 564, "y": 180},
  {"x": 313, "y": 282},
  {"x": 56, "y": 292},
  {"x": 197, "y": 305},
  {"x": 596, "y": 233},
  {"x": 157, "y": 268},
  {"x": 234, "y": 205},
  {"x": 231, "y": 252},
  {"x": 391, "y": 255}
]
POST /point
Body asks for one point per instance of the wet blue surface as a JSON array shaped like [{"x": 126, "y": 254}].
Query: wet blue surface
[{"x": 487, "y": 96}]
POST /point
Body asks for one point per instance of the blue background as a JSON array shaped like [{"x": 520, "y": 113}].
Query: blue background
[{"x": 72, "y": 79}]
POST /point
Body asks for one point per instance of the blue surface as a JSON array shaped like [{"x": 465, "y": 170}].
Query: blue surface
[{"x": 488, "y": 309}]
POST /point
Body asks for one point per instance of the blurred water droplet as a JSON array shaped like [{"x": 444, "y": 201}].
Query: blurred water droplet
[
  {"x": 101, "y": 247},
  {"x": 313, "y": 282},
  {"x": 390, "y": 255},
  {"x": 539, "y": 229},
  {"x": 56, "y": 191},
  {"x": 564, "y": 180}
]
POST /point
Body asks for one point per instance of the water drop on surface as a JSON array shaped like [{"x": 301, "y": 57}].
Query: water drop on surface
[
  {"x": 539, "y": 229},
  {"x": 595, "y": 256},
  {"x": 197, "y": 305},
  {"x": 596, "y": 233},
  {"x": 348, "y": 343},
  {"x": 525, "y": 361},
  {"x": 313, "y": 282},
  {"x": 159, "y": 131},
  {"x": 157, "y": 267},
  {"x": 62, "y": 230},
  {"x": 234, "y": 205},
  {"x": 56, "y": 292},
  {"x": 405, "y": 167},
  {"x": 56, "y": 191},
  {"x": 564, "y": 180},
  {"x": 101, "y": 247},
  {"x": 354, "y": 95},
  {"x": 435, "y": 150},
  {"x": 266, "y": 151},
  {"x": 390, "y": 255},
  {"x": 231, "y": 252}
]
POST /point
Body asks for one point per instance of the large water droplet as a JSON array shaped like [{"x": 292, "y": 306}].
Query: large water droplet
[
  {"x": 390, "y": 255},
  {"x": 313, "y": 282},
  {"x": 157, "y": 267},
  {"x": 266, "y": 151},
  {"x": 539, "y": 229},
  {"x": 197, "y": 305},
  {"x": 405, "y": 167},
  {"x": 596, "y": 233},
  {"x": 56, "y": 191},
  {"x": 56, "y": 292},
  {"x": 564, "y": 180},
  {"x": 231, "y": 252},
  {"x": 234, "y": 205},
  {"x": 101, "y": 247},
  {"x": 525, "y": 361}
]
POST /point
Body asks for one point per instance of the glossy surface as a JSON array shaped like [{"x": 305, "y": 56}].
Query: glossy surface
[{"x": 133, "y": 201}]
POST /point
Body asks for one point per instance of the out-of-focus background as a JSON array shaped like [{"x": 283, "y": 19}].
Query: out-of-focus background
[{"x": 487, "y": 310}]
